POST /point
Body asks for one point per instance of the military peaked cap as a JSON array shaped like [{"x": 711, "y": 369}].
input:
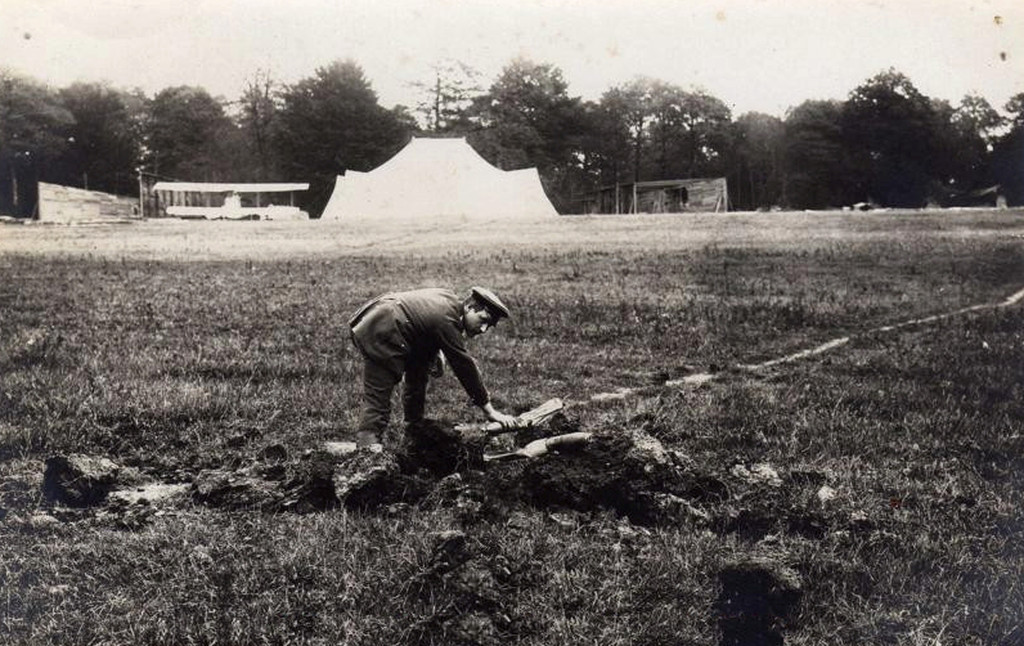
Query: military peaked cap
[{"x": 491, "y": 301}]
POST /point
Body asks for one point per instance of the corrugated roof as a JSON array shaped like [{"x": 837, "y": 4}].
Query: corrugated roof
[{"x": 664, "y": 183}]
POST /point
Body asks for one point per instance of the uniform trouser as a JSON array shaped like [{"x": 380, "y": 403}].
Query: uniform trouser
[{"x": 379, "y": 381}]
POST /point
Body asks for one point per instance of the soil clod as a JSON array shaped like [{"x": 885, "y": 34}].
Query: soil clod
[{"x": 79, "y": 480}]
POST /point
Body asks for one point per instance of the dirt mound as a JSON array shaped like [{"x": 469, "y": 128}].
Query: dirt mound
[
  {"x": 79, "y": 480},
  {"x": 435, "y": 447},
  {"x": 627, "y": 472}
]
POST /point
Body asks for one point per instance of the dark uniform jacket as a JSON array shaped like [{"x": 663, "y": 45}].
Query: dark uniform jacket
[{"x": 402, "y": 328}]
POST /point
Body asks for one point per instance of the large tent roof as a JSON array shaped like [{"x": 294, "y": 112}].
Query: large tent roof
[{"x": 438, "y": 178}]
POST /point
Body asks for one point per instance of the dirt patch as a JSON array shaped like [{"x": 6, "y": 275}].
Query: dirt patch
[
  {"x": 434, "y": 447},
  {"x": 79, "y": 480},
  {"x": 603, "y": 474},
  {"x": 758, "y": 601},
  {"x": 627, "y": 472}
]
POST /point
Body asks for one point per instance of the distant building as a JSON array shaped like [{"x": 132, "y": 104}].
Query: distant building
[
  {"x": 661, "y": 196},
  {"x": 70, "y": 205},
  {"x": 987, "y": 197},
  {"x": 225, "y": 201}
]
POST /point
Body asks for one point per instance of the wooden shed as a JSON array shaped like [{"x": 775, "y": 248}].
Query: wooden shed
[{"x": 661, "y": 196}]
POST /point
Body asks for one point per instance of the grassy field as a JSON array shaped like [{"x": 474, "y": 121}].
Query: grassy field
[{"x": 177, "y": 347}]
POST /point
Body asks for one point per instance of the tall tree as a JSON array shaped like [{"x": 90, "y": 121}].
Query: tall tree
[
  {"x": 188, "y": 132},
  {"x": 973, "y": 128},
  {"x": 890, "y": 131},
  {"x": 257, "y": 119},
  {"x": 817, "y": 173},
  {"x": 527, "y": 118},
  {"x": 105, "y": 140},
  {"x": 672, "y": 132},
  {"x": 976, "y": 116},
  {"x": 706, "y": 120},
  {"x": 331, "y": 122},
  {"x": 33, "y": 141},
  {"x": 666, "y": 130},
  {"x": 448, "y": 96},
  {"x": 606, "y": 143},
  {"x": 1008, "y": 154},
  {"x": 633, "y": 102},
  {"x": 756, "y": 161}
]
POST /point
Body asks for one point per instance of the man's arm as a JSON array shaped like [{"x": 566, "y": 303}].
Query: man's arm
[{"x": 462, "y": 364}]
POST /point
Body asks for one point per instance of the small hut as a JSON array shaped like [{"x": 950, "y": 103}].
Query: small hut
[{"x": 661, "y": 196}]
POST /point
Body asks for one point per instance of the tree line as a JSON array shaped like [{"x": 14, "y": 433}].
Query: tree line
[{"x": 886, "y": 144}]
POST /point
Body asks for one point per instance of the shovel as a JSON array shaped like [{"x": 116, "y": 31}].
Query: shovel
[{"x": 539, "y": 447}]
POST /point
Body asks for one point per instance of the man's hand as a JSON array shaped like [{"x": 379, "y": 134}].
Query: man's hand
[
  {"x": 506, "y": 421},
  {"x": 437, "y": 366},
  {"x": 493, "y": 414}
]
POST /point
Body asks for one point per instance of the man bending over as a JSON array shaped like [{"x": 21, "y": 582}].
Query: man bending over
[{"x": 400, "y": 335}]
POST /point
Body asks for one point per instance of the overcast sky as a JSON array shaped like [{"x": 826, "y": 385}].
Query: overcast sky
[{"x": 763, "y": 55}]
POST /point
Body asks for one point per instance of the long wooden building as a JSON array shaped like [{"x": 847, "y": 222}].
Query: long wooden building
[{"x": 661, "y": 196}]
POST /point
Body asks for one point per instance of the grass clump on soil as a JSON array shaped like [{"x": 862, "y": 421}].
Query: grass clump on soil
[{"x": 884, "y": 477}]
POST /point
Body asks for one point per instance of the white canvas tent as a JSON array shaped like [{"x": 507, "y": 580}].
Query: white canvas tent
[{"x": 438, "y": 178}]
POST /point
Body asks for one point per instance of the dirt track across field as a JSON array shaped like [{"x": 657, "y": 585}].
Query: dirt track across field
[{"x": 704, "y": 377}]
